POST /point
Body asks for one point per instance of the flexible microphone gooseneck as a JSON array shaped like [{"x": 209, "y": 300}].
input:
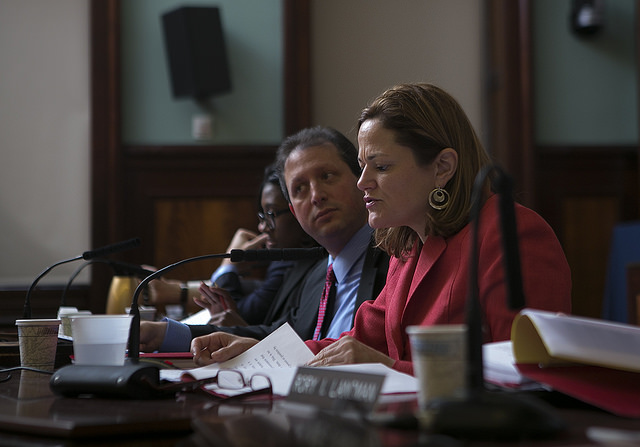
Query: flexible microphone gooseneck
[
  {"x": 280, "y": 254},
  {"x": 136, "y": 379},
  {"x": 484, "y": 414},
  {"x": 87, "y": 255},
  {"x": 503, "y": 185},
  {"x": 119, "y": 269}
]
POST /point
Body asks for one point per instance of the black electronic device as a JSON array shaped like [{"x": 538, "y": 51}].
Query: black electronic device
[
  {"x": 134, "y": 380},
  {"x": 196, "y": 52},
  {"x": 587, "y": 16}
]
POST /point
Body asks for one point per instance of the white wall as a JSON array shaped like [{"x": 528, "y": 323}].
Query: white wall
[
  {"x": 44, "y": 136},
  {"x": 362, "y": 47}
]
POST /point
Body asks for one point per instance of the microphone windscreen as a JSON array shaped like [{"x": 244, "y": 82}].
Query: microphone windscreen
[
  {"x": 277, "y": 254},
  {"x": 113, "y": 248}
]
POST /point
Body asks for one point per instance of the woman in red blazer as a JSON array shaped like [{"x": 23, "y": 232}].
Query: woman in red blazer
[{"x": 420, "y": 156}]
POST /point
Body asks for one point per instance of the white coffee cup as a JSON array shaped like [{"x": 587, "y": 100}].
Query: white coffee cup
[
  {"x": 100, "y": 339},
  {"x": 439, "y": 356}
]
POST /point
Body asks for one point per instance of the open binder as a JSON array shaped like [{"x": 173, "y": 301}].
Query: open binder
[{"x": 593, "y": 360}]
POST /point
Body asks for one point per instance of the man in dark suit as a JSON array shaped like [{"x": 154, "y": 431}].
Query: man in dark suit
[
  {"x": 318, "y": 170},
  {"x": 302, "y": 314}
]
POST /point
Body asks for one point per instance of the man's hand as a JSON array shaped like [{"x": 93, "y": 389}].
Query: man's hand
[
  {"x": 219, "y": 347},
  {"x": 152, "y": 335},
  {"x": 348, "y": 350},
  {"x": 227, "y": 318},
  {"x": 164, "y": 291},
  {"x": 215, "y": 299}
]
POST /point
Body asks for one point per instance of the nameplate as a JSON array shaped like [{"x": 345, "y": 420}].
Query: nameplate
[{"x": 331, "y": 389}]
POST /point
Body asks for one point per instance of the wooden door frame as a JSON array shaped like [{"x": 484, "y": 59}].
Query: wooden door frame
[{"x": 109, "y": 154}]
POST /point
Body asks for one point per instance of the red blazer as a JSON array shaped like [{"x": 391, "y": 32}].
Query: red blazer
[{"x": 430, "y": 287}]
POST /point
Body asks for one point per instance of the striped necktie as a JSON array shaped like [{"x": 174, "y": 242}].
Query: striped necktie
[{"x": 328, "y": 283}]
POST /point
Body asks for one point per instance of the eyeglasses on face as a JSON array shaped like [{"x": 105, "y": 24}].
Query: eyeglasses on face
[{"x": 269, "y": 217}]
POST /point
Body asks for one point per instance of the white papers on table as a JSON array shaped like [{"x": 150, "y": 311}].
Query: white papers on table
[
  {"x": 500, "y": 368},
  {"x": 499, "y": 365},
  {"x": 278, "y": 357},
  {"x": 200, "y": 317}
]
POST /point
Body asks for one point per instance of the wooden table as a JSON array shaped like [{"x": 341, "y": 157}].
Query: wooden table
[{"x": 31, "y": 415}]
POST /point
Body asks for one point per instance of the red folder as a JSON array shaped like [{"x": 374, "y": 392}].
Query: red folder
[
  {"x": 593, "y": 360},
  {"x": 613, "y": 390}
]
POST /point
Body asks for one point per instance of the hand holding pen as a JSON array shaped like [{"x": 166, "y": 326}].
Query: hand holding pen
[{"x": 221, "y": 306}]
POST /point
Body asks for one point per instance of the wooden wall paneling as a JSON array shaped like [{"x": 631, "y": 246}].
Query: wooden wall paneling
[
  {"x": 169, "y": 190},
  {"x": 297, "y": 70},
  {"x": 586, "y": 172},
  {"x": 45, "y": 301},
  {"x": 587, "y": 224},
  {"x": 106, "y": 156},
  {"x": 637, "y": 29},
  {"x": 633, "y": 293},
  {"x": 509, "y": 95},
  {"x": 213, "y": 221},
  {"x": 583, "y": 193},
  {"x": 133, "y": 185}
]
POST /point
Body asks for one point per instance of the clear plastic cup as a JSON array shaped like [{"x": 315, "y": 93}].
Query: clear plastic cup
[{"x": 100, "y": 339}]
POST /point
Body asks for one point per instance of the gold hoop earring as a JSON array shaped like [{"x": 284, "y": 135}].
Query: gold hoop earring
[{"x": 439, "y": 198}]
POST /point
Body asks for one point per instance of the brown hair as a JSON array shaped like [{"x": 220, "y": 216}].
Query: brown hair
[{"x": 427, "y": 119}]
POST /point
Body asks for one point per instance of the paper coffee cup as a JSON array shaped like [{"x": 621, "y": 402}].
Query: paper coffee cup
[
  {"x": 38, "y": 342},
  {"x": 439, "y": 356}
]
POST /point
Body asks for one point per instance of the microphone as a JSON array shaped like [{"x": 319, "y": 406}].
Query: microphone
[
  {"x": 138, "y": 379},
  {"x": 118, "y": 246},
  {"x": 277, "y": 254},
  {"x": 113, "y": 248},
  {"x": 503, "y": 185},
  {"x": 235, "y": 256},
  {"x": 510, "y": 246},
  {"x": 119, "y": 269},
  {"x": 483, "y": 414}
]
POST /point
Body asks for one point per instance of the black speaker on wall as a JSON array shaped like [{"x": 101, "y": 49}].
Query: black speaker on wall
[{"x": 196, "y": 52}]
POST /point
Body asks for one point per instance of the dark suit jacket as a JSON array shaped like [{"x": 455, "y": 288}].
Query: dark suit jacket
[
  {"x": 299, "y": 307},
  {"x": 253, "y": 306}
]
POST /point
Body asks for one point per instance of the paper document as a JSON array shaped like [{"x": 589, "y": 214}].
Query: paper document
[
  {"x": 283, "y": 349},
  {"x": 200, "y": 317},
  {"x": 499, "y": 364},
  {"x": 549, "y": 338},
  {"x": 278, "y": 357},
  {"x": 593, "y": 360}
]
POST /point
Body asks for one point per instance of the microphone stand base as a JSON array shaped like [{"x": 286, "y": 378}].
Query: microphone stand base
[
  {"x": 133, "y": 380},
  {"x": 495, "y": 416}
]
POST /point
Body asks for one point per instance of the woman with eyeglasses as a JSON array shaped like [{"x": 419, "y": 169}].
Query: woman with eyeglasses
[
  {"x": 232, "y": 301},
  {"x": 235, "y": 298}
]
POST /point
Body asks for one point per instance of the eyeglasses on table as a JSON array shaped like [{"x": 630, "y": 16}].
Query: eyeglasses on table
[{"x": 225, "y": 383}]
